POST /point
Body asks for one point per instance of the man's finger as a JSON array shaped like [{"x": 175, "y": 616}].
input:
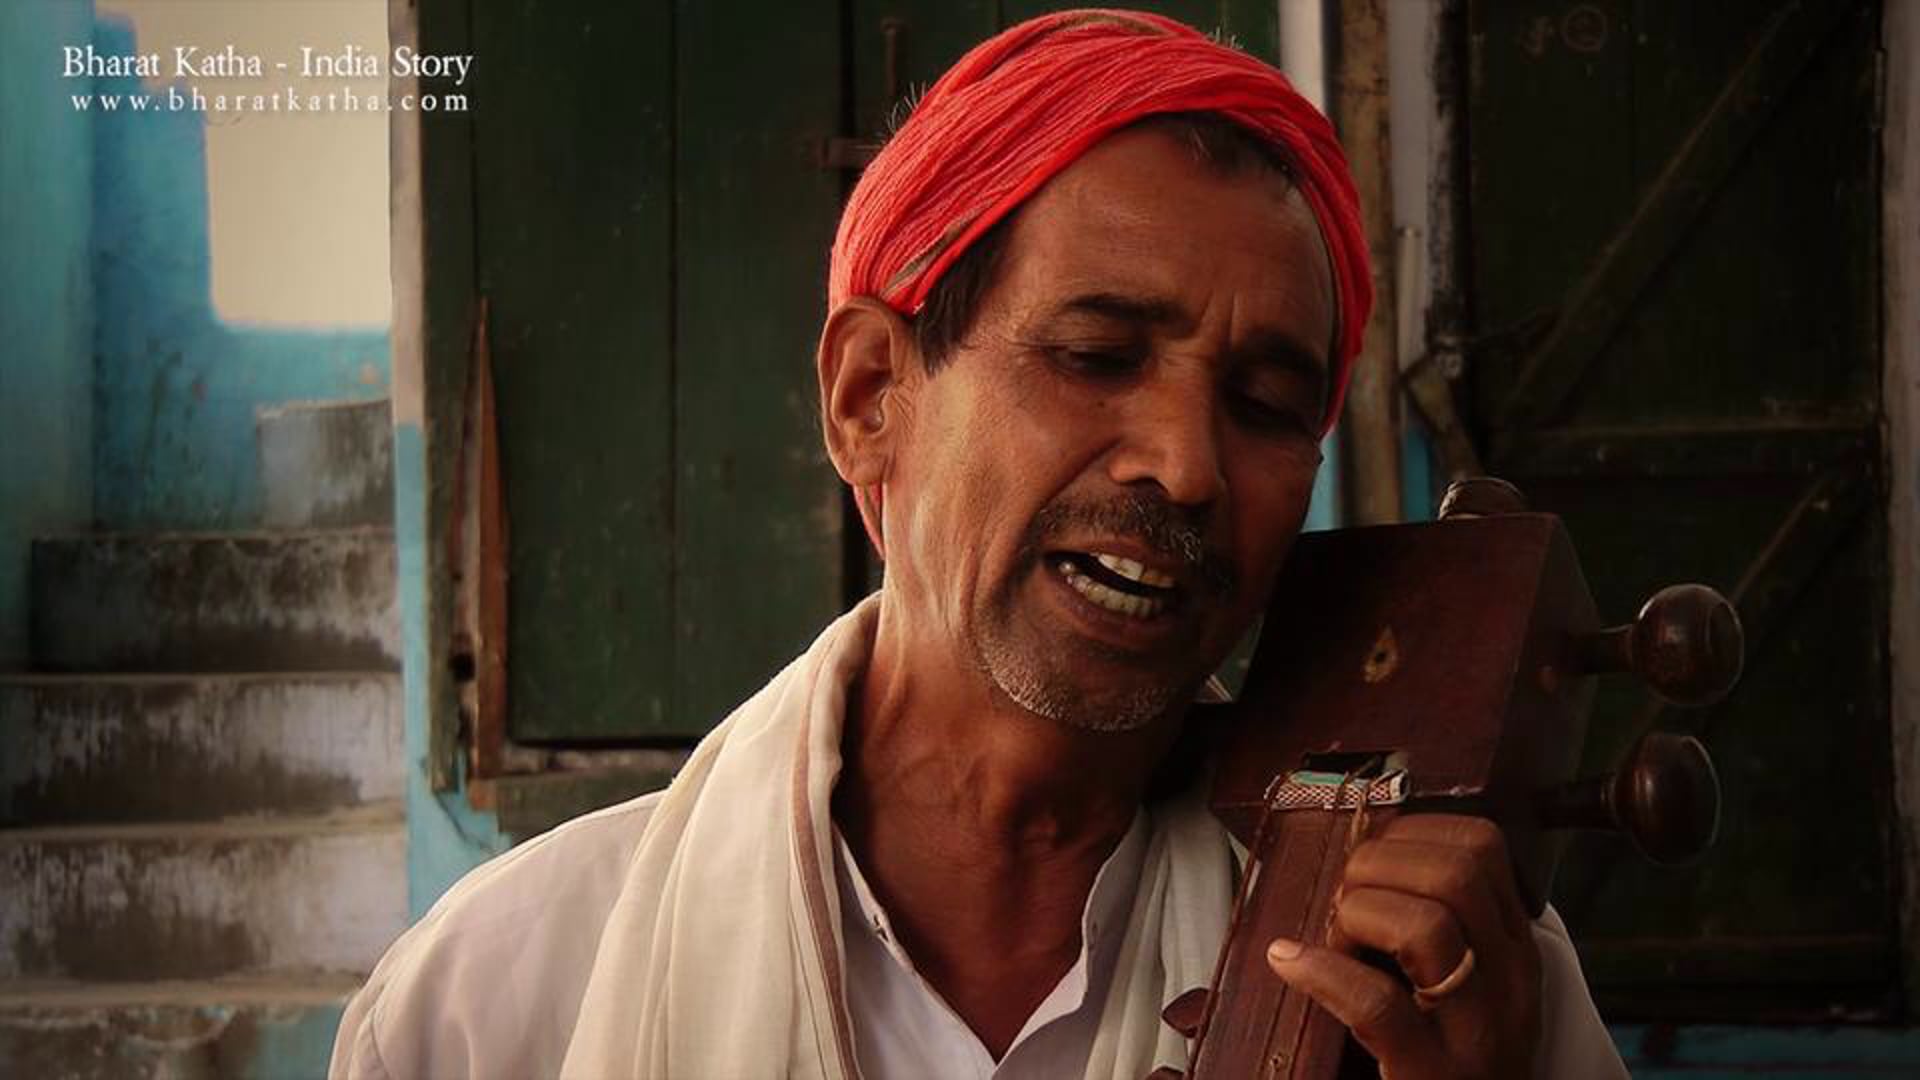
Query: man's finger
[
  {"x": 1375, "y": 1007},
  {"x": 1453, "y": 877},
  {"x": 1420, "y": 933},
  {"x": 1484, "y": 841}
]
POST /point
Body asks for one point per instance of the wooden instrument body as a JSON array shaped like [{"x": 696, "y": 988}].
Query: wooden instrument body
[{"x": 1452, "y": 649}]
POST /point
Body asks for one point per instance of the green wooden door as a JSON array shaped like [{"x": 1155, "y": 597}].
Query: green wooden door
[
  {"x": 1676, "y": 287},
  {"x": 650, "y": 230},
  {"x": 902, "y": 46}
]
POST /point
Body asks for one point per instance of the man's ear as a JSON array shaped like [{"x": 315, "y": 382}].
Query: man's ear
[{"x": 866, "y": 359}]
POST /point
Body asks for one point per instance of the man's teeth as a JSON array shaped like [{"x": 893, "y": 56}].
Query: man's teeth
[
  {"x": 1133, "y": 571},
  {"x": 1140, "y": 607}
]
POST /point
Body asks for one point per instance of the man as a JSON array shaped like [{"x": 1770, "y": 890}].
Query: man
[{"x": 1091, "y": 311}]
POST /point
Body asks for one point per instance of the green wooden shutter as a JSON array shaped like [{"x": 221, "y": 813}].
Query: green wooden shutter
[
  {"x": 573, "y": 147},
  {"x": 1676, "y": 289},
  {"x": 652, "y": 224}
]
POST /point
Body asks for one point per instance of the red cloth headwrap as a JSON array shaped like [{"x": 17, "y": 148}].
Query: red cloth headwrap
[{"x": 1027, "y": 103}]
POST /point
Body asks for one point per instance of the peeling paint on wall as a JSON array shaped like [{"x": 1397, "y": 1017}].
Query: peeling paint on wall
[
  {"x": 196, "y": 747},
  {"x": 216, "y": 602},
  {"x": 446, "y": 836},
  {"x": 176, "y": 389},
  {"x": 46, "y": 303},
  {"x": 265, "y": 1033},
  {"x": 181, "y": 902}
]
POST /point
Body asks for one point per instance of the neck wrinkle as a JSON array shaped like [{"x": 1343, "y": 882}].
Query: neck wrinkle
[{"x": 929, "y": 741}]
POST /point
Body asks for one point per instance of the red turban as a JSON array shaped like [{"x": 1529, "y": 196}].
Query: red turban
[{"x": 1027, "y": 103}]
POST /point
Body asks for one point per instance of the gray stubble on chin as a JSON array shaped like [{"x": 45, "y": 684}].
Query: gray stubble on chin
[{"x": 1048, "y": 695}]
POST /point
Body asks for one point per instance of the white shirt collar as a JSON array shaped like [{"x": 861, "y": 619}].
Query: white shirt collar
[{"x": 902, "y": 1026}]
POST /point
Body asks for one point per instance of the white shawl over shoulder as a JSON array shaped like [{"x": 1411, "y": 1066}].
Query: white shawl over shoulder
[{"x": 721, "y": 957}]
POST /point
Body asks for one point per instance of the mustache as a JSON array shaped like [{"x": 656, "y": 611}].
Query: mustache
[{"x": 1170, "y": 530}]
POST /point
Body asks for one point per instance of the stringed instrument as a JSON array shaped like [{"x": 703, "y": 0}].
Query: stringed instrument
[{"x": 1439, "y": 667}]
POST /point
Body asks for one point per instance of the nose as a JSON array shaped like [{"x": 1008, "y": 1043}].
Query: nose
[{"x": 1171, "y": 438}]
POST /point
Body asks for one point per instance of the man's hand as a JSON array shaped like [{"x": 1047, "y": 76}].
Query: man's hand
[{"x": 1436, "y": 893}]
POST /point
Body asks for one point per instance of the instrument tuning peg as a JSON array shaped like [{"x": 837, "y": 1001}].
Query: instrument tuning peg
[
  {"x": 1480, "y": 496},
  {"x": 1686, "y": 645},
  {"x": 1665, "y": 796}
]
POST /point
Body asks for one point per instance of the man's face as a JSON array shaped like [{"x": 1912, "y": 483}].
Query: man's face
[{"x": 1096, "y": 491}]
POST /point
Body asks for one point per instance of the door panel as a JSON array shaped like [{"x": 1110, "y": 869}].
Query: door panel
[
  {"x": 1675, "y": 284},
  {"x": 573, "y": 247},
  {"x": 757, "y": 525}
]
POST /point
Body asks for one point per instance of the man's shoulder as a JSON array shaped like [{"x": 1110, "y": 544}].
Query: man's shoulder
[
  {"x": 551, "y": 880},
  {"x": 492, "y": 976}
]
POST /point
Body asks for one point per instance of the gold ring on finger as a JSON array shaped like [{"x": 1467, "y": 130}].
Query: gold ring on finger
[{"x": 1429, "y": 997}]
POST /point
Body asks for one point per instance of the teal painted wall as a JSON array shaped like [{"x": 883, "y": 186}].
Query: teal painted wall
[
  {"x": 46, "y": 300},
  {"x": 446, "y": 837},
  {"x": 175, "y": 387}
]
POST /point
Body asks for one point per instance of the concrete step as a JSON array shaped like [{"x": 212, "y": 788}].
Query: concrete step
[
  {"x": 280, "y": 1027},
  {"x": 325, "y": 464},
  {"x": 173, "y": 901},
  {"x": 322, "y": 600},
  {"x": 107, "y": 748}
]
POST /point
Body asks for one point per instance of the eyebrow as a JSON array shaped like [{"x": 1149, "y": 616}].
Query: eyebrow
[
  {"x": 1271, "y": 348},
  {"x": 1131, "y": 308}
]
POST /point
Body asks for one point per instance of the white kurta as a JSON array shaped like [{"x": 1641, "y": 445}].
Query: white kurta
[
  {"x": 698, "y": 933},
  {"x": 902, "y": 1027}
]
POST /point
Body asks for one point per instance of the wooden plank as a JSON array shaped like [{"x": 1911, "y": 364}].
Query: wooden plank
[
  {"x": 1726, "y": 959},
  {"x": 479, "y": 548},
  {"x": 1371, "y": 429},
  {"x": 526, "y": 806},
  {"x": 572, "y": 131},
  {"x": 1740, "y": 371},
  {"x": 1765, "y": 310},
  {"x": 1800, "y": 745},
  {"x": 1551, "y": 172},
  {"x": 1761, "y": 291},
  {"x": 433, "y": 272},
  {"x": 927, "y": 37},
  {"x": 1729, "y": 449},
  {"x": 1825, "y": 1051},
  {"x": 757, "y": 510},
  {"x": 1252, "y": 25},
  {"x": 1691, "y": 174},
  {"x": 1900, "y": 209}
]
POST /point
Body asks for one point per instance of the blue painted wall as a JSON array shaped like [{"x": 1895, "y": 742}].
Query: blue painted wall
[
  {"x": 175, "y": 388},
  {"x": 1323, "y": 512},
  {"x": 446, "y": 836},
  {"x": 46, "y": 300}
]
